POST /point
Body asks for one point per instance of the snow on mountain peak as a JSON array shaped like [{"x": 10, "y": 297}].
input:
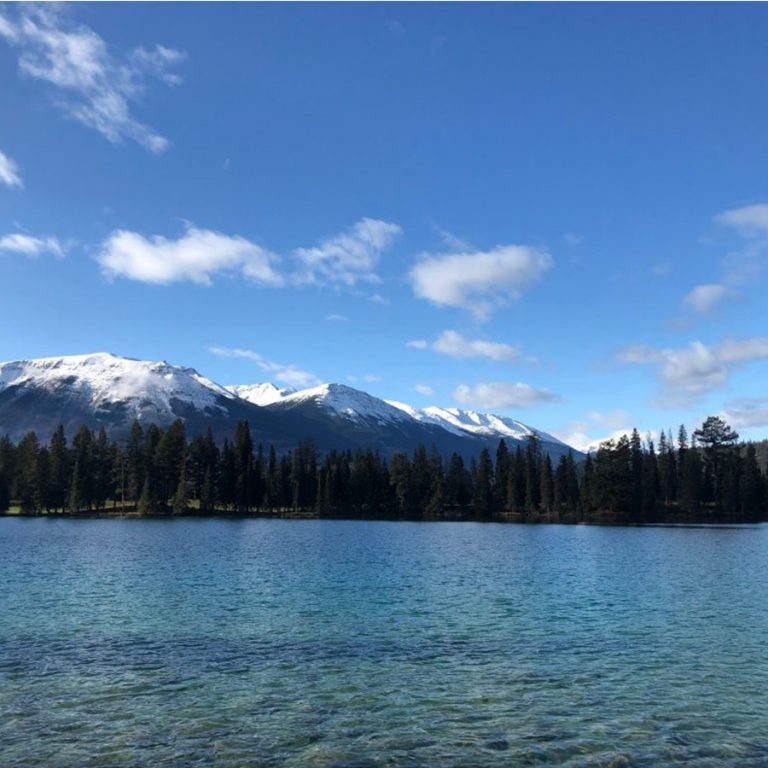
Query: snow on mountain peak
[
  {"x": 104, "y": 378},
  {"x": 351, "y": 403},
  {"x": 461, "y": 422},
  {"x": 264, "y": 393}
]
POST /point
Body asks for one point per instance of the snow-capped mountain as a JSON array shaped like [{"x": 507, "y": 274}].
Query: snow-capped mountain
[
  {"x": 345, "y": 402},
  {"x": 461, "y": 421},
  {"x": 102, "y": 380},
  {"x": 265, "y": 393},
  {"x": 105, "y": 390},
  {"x": 359, "y": 407}
]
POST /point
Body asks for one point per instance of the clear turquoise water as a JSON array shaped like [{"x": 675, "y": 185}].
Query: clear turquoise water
[{"x": 301, "y": 643}]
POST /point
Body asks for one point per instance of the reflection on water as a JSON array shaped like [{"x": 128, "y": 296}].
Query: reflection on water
[{"x": 303, "y": 643}]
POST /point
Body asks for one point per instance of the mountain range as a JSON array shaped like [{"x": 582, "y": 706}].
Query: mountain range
[{"x": 106, "y": 390}]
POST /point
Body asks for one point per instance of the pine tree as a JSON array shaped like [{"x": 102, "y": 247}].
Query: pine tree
[
  {"x": 135, "y": 462},
  {"x": 532, "y": 479},
  {"x": 74, "y": 498},
  {"x": 753, "y": 488},
  {"x": 457, "y": 483},
  {"x": 170, "y": 457},
  {"x": 516, "y": 483},
  {"x": 483, "y": 486},
  {"x": 5, "y": 493},
  {"x": 501, "y": 477},
  {"x": 180, "y": 497},
  {"x": 243, "y": 451},
  {"x": 546, "y": 484},
  {"x": 272, "y": 481},
  {"x": 717, "y": 440},
  {"x": 573, "y": 483},
  {"x": 60, "y": 469},
  {"x": 690, "y": 475},
  {"x": 101, "y": 468},
  {"x": 636, "y": 502},
  {"x": 400, "y": 482},
  {"x": 27, "y": 473},
  {"x": 650, "y": 481},
  {"x": 144, "y": 505},
  {"x": 587, "y": 487},
  {"x": 207, "y": 497},
  {"x": 421, "y": 480},
  {"x": 561, "y": 500},
  {"x": 436, "y": 494}
]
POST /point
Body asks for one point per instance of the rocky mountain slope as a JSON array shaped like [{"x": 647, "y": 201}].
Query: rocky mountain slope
[{"x": 105, "y": 390}]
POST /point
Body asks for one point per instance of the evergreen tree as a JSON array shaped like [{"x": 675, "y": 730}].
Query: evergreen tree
[
  {"x": 243, "y": 453},
  {"x": 180, "y": 497},
  {"x": 135, "y": 462},
  {"x": 27, "y": 473},
  {"x": 81, "y": 495},
  {"x": 483, "y": 486},
  {"x": 501, "y": 477},
  {"x": 717, "y": 440},
  {"x": 753, "y": 488},
  {"x": 587, "y": 488},
  {"x": 516, "y": 483},
  {"x": 457, "y": 484},
  {"x": 650, "y": 482},
  {"x": 170, "y": 458},
  {"x": 532, "y": 479},
  {"x": 613, "y": 480},
  {"x": 5, "y": 492},
  {"x": 144, "y": 505},
  {"x": 547, "y": 488},
  {"x": 400, "y": 482},
  {"x": 637, "y": 503},
  {"x": 690, "y": 475},
  {"x": 101, "y": 467},
  {"x": 436, "y": 493},
  {"x": 60, "y": 469}
]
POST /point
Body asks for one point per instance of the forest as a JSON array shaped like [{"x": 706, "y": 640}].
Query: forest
[{"x": 707, "y": 477}]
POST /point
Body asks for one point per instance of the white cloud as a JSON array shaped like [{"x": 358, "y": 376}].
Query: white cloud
[
  {"x": 502, "y": 395},
  {"x": 747, "y": 412},
  {"x": 479, "y": 281},
  {"x": 417, "y": 344},
  {"x": 453, "y": 242},
  {"x": 284, "y": 374},
  {"x": 740, "y": 267},
  {"x": 349, "y": 257},
  {"x": 93, "y": 86},
  {"x": 377, "y": 298},
  {"x": 195, "y": 256},
  {"x": 689, "y": 372},
  {"x": 750, "y": 221},
  {"x": 368, "y": 378},
  {"x": 9, "y": 171},
  {"x": 596, "y": 428},
  {"x": 704, "y": 298},
  {"x": 30, "y": 246},
  {"x": 425, "y": 389},
  {"x": 454, "y": 344},
  {"x": 334, "y": 318}
]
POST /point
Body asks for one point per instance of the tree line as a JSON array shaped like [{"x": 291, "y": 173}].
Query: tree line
[{"x": 709, "y": 476}]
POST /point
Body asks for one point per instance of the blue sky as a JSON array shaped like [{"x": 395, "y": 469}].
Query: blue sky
[{"x": 557, "y": 212}]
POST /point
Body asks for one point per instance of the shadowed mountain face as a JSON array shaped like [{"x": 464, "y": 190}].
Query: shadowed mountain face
[{"x": 104, "y": 390}]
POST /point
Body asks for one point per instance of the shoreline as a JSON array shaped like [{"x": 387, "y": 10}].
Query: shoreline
[{"x": 193, "y": 515}]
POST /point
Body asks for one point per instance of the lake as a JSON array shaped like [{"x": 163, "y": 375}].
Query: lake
[{"x": 244, "y": 643}]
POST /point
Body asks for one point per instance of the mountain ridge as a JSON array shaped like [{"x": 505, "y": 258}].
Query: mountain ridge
[{"x": 107, "y": 390}]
